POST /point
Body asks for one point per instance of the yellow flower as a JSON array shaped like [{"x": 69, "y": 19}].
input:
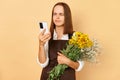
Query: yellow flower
[
  {"x": 78, "y": 34},
  {"x": 81, "y": 40}
]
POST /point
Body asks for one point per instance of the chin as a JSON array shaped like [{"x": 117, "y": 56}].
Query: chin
[{"x": 59, "y": 24}]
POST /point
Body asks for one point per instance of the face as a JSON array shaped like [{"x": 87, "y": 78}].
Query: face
[{"x": 58, "y": 16}]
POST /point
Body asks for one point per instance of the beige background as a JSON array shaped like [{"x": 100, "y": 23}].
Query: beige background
[{"x": 19, "y": 36}]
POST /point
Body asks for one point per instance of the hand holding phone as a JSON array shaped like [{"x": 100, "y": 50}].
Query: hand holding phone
[{"x": 44, "y": 38}]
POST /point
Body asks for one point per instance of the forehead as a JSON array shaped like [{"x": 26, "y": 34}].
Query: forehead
[{"x": 58, "y": 9}]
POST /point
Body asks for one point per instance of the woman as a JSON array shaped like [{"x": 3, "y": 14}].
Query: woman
[{"x": 50, "y": 44}]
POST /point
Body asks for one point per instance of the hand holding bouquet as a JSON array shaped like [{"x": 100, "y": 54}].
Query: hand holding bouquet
[{"x": 79, "y": 47}]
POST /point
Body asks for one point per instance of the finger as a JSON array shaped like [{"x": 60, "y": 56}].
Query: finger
[
  {"x": 47, "y": 39},
  {"x": 43, "y": 36},
  {"x": 46, "y": 36},
  {"x": 43, "y": 31},
  {"x": 59, "y": 53},
  {"x": 58, "y": 58}
]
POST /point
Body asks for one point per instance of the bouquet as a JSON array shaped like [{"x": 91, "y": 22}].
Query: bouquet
[{"x": 79, "y": 47}]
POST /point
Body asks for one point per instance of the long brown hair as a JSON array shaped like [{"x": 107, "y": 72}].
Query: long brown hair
[{"x": 68, "y": 27}]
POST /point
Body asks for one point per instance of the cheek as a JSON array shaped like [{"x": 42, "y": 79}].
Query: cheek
[{"x": 63, "y": 18}]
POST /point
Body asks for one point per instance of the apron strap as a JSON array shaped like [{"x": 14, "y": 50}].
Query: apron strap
[{"x": 70, "y": 35}]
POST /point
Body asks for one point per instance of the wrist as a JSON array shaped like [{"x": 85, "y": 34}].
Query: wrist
[
  {"x": 68, "y": 62},
  {"x": 41, "y": 43}
]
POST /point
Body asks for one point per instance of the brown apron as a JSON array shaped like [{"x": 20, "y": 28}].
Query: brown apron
[{"x": 54, "y": 47}]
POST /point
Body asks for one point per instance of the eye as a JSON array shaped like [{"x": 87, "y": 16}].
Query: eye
[
  {"x": 62, "y": 14},
  {"x": 54, "y": 13}
]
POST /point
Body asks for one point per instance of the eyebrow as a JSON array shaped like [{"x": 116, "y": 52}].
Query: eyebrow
[{"x": 57, "y": 13}]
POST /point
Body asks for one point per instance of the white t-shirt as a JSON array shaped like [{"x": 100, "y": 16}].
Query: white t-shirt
[{"x": 64, "y": 37}]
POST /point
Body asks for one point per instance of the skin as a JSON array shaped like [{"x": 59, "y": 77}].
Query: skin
[
  {"x": 58, "y": 19},
  {"x": 42, "y": 39}
]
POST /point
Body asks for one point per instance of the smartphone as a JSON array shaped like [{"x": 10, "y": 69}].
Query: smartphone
[{"x": 43, "y": 25}]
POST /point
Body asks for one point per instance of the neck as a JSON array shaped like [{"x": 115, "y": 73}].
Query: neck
[{"x": 59, "y": 31}]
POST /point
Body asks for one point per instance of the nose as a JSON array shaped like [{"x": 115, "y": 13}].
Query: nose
[{"x": 57, "y": 16}]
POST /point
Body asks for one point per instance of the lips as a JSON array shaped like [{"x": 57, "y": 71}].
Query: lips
[{"x": 57, "y": 21}]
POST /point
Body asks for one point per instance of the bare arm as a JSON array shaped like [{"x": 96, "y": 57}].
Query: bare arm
[
  {"x": 64, "y": 60},
  {"x": 41, "y": 54},
  {"x": 43, "y": 38},
  {"x": 73, "y": 64}
]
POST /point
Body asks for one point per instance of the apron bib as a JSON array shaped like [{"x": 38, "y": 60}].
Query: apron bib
[{"x": 54, "y": 47}]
